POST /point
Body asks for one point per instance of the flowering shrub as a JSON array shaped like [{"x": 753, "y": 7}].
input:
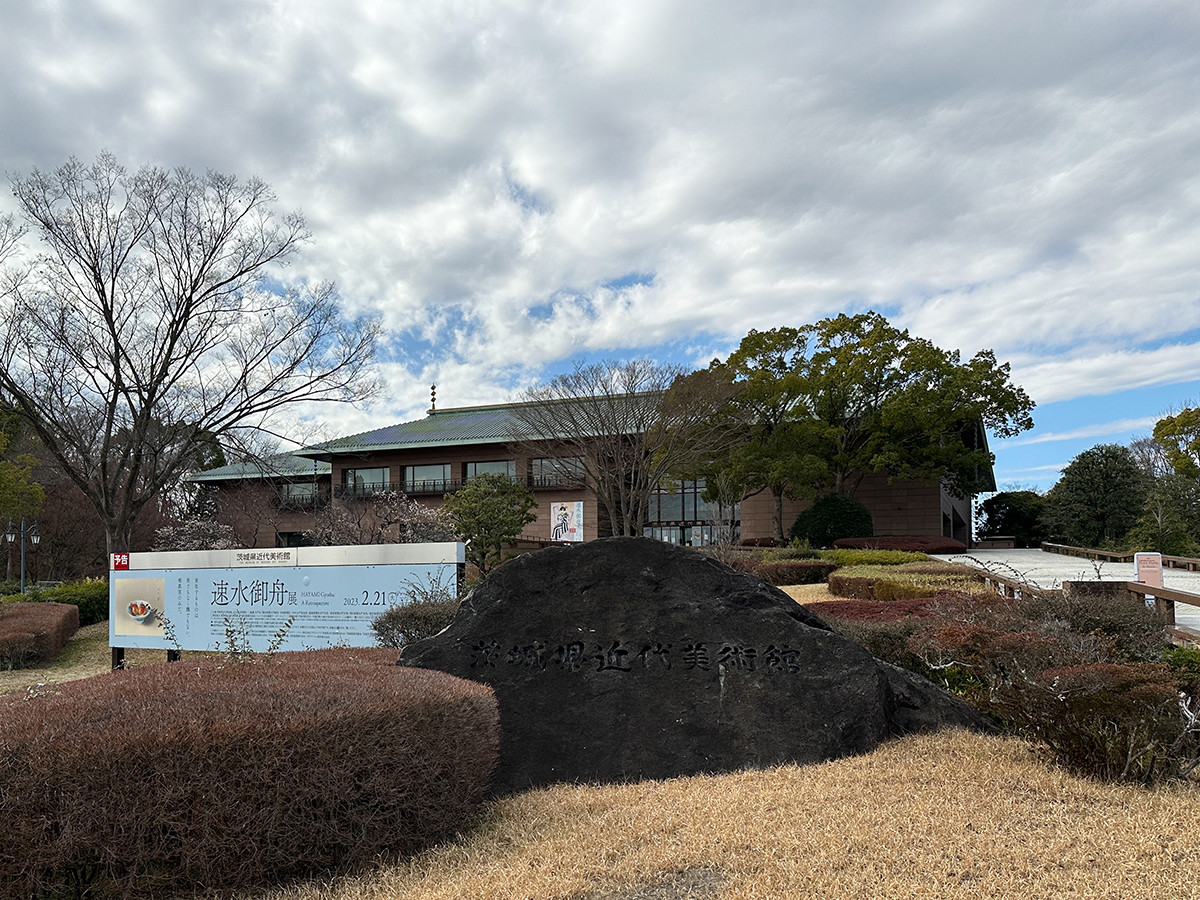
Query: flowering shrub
[
  {"x": 197, "y": 534},
  {"x": 383, "y": 518}
]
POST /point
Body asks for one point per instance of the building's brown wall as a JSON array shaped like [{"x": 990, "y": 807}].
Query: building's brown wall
[
  {"x": 253, "y": 511},
  {"x": 897, "y": 507}
]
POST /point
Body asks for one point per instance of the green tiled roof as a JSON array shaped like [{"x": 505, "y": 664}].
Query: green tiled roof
[
  {"x": 283, "y": 465},
  {"x": 465, "y": 425},
  {"x": 440, "y": 428}
]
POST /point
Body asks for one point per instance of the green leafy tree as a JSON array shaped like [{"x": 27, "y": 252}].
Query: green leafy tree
[
  {"x": 895, "y": 404},
  {"x": 1098, "y": 498},
  {"x": 769, "y": 448},
  {"x": 489, "y": 511},
  {"x": 1160, "y": 528},
  {"x": 20, "y": 495},
  {"x": 823, "y": 406},
  {"x": 1179, "y": 436},
  {"x": 1016, "y": 513}
]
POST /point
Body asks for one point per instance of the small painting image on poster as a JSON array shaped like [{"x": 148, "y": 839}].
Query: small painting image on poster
[{"x": 138, "y": 606}]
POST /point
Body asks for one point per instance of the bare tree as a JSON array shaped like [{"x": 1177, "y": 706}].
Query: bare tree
[
  {"x": 625, "y": 427},
  {"x": 149, "y": 321},
  {"x": 1151, "y": 457},
  {"x": 388, "y": 517}
]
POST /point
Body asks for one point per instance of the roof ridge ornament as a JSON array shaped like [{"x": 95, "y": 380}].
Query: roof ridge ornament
[{"x": 433, "y": 398}]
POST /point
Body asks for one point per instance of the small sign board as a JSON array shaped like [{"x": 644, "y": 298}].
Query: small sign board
[
  {"x": 315, "y": 596},
  {"x": 1147, "y": 569}
]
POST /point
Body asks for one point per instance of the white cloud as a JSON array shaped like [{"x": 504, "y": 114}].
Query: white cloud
[
  {"x": 1015, "y": 175},
  {"x": 1121, "y": 428}
]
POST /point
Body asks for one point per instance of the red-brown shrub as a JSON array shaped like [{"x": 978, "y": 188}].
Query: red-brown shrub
[
  {"x": 912, "y": 543},
  {"x": 874, "y": 611},
  {"x": 211, "y": 773},
  {"x": 35, "y": 633},
  {"x": 794, "y": 571},
  {"x": 1107, "y": 720}
]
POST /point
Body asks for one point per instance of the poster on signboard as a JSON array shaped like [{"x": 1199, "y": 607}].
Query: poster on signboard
[{"x": 293, "y": 598}]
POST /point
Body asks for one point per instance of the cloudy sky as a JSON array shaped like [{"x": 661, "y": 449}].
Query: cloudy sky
[{"x": 517, "y": 185}]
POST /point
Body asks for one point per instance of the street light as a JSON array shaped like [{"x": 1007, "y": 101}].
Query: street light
[{"x": 34, "y": 539}]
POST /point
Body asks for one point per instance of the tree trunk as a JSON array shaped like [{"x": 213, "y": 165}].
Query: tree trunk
[{"x": 777, "y": 512}]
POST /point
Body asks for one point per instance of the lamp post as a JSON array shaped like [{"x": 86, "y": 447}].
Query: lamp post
[{"x": 34, "y": 539}]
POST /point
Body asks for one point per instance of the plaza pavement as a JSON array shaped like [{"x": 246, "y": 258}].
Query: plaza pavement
[{"x": 1050, "y": 570}]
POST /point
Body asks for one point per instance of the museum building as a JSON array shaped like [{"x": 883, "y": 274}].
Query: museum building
[{"x": 273, "y": 502}]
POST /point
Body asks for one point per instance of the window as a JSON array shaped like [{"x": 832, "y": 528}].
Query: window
[
  {"x": 431, "y": 479},
  {"x": 365, "y": 481},
  {"x": 300, "y": 495},
  {"x": 495, "y": 467},
  {"x": 679, "y": 514},
  {"x": 693, "y": 535},
  {"x": 564, "y": 471}
]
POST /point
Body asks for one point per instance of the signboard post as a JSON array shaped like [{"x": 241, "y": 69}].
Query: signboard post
[
  {"x": 1147, "y": 569},
  {"x": 290, "y": 598}
]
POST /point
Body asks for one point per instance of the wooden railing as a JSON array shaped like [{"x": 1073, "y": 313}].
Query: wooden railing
[
  {"x": 1164, "y": 599},
  {"x": 1012, "y": 587},
  {"x": 1187, "y": 563}
]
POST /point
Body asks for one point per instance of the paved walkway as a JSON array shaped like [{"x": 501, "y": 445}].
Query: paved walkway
[{"x": 1049, "y": 570}]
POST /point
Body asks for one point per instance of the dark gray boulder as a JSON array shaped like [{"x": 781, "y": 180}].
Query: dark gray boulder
[{"x": 628, "y": 658}]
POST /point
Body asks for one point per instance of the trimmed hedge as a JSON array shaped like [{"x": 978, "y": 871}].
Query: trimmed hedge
[
  {"x": 912, "y": 543},
  {"x": 872, "y": 611},
  {"x": 216, "y": 774},
  {"x": 791, "y": 571},
  {"x": 34, "y": 633},
  {"x": 90, "y": 596},
  {"x": 909, "y": 580},
  {"x": 848, "y": 557},
  {"x": 795, "y": 571}
]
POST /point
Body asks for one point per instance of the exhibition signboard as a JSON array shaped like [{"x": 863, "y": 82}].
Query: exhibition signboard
[{"x": 290, "y": 598}]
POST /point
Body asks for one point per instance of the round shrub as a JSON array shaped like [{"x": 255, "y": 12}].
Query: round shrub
[
  {"x": 415, "y": 621},
  {"x": 209, "y": 774},
  {"x": 90, "y": 596},
  {"x": 830, "y": 518}
]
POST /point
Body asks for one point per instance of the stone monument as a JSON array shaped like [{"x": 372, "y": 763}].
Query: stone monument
[{"x": 629, "y": 658}]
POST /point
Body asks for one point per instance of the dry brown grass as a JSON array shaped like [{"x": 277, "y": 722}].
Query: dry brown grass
[
  {"x": 947, "y": 815},
  {"x": 87, "y": 654},
  {"x": 807, "y": 593}
]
